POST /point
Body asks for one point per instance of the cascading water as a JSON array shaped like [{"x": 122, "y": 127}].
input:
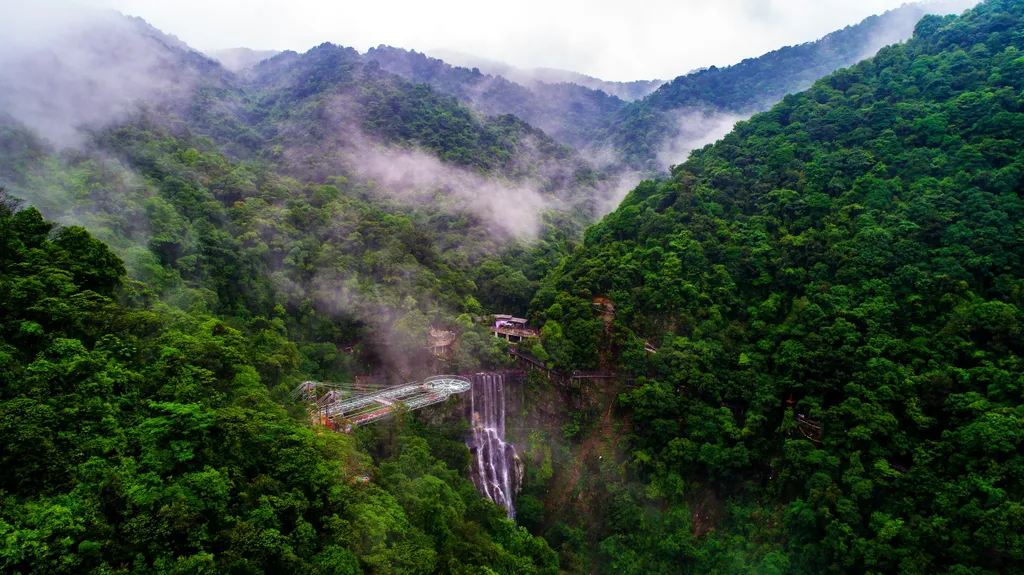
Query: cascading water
[{"x": 497, "y": 470}]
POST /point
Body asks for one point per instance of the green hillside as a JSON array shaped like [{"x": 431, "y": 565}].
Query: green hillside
[
  {"x": 799, "y": 353},
  {"x": 834, "y": 292},
  {"x": 142, "y": 438}
]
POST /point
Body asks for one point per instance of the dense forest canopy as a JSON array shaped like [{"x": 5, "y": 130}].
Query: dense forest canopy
[
  {"x": 806, "y": 340},
  {"x": 834, "y": 292},
  {"x": 139, "y": 437}
]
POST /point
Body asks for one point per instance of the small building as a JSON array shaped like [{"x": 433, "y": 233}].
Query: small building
[
  {"x": 512, "y": 329},
  {"x": 442, "y": 342},
  {"x": 512, "y": 322}
]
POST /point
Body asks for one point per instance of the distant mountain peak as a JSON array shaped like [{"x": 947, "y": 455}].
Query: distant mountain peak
[
  {"x": 528, "y": 77},
  {"x": 239, "y": 59}
]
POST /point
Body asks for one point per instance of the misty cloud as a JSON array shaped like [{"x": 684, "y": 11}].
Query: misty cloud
[
  {"x": 602, "y": 38},
  {"x": 239, "y": 59},
  {"x": 616, "y": 191},
  {"x": 694, "y": 130},
  {"x": 899, "y": 29},
  {"x": 63, "y": 68},
  {"x": 509, "y": 209}
]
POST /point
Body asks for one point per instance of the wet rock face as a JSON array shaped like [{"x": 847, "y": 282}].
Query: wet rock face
[
  {"x": 519, "y": 470},
  {"x": 497, "y": 470}
]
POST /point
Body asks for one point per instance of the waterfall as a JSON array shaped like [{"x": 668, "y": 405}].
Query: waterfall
[{"x": 496, "y": 468}]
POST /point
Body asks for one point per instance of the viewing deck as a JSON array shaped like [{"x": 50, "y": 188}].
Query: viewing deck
[
  {"x": 344, "y": 406},
  {"x": 514, "y": 334}
]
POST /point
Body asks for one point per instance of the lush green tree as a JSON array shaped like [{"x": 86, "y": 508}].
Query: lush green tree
[
  {"x": 141, "y": 437},
  {"x": 832, "y": 296}
]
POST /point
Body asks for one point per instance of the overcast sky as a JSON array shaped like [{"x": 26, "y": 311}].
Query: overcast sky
[{"x": 613, "y": 40}]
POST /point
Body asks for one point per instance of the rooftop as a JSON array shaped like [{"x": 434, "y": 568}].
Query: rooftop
[{"x": 442, "y": 338}]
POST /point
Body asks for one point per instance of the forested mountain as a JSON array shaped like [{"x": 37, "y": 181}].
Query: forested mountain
[
  {"x": 645, "y": 135},
  {"x": 648, "y": 134},
  {"x": 330, "y": 99},
  {"x": 806, "y": 340},
  {"x": 823, "y": 313},
  {"x": 144, "y": 399},
  {"x": 697, "y": 108},
  {"x": 302, "y": 124},
  {"x": 569, "y": 112}
]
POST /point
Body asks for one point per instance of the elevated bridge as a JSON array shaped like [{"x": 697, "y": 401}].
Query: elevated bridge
[{"x": 343, "y": 406}]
